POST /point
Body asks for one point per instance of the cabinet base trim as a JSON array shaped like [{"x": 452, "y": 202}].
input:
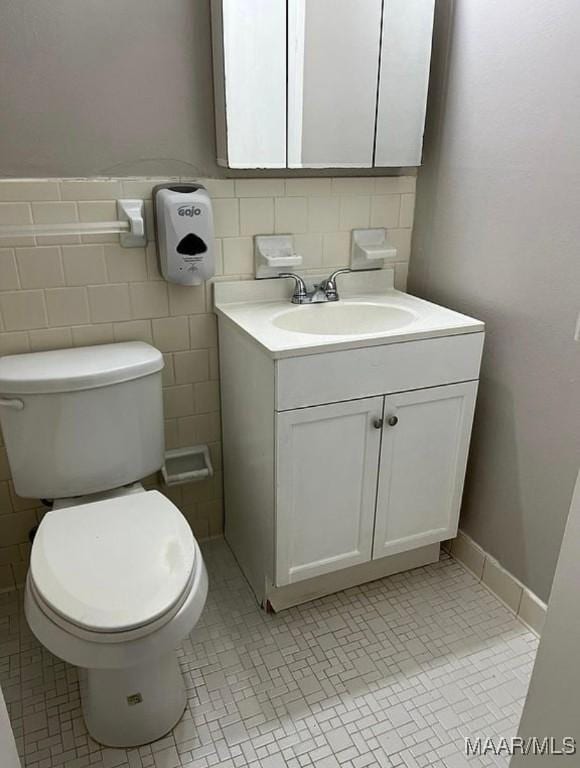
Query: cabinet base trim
[{"x": 280, "y": 598}]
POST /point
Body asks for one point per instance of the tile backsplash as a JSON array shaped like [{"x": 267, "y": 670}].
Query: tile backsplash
[{"x": 63, "y": 291}]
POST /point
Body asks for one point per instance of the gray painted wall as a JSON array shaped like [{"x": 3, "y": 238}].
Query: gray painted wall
[
  {"x": 497, "y": 235},
  {"x": 106, "y": 88}
]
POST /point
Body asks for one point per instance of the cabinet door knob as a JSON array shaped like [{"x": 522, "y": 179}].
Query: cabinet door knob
[
  {"x": 392, "y": 421},
  {"x": 377, "y": 423}
]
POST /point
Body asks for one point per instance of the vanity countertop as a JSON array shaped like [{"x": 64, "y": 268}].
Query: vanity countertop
[{"x": 261, "y": 309}]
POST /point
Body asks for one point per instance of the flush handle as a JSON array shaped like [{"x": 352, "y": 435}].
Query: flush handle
[
  {"x": 392, "y": 421},
  {"x": 13, "y": 403}
]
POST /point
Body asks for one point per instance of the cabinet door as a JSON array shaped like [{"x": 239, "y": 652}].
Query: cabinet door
[
  {"x": 249, "y": 53},
  {"x": 326, "y": 464},
  {"x": 404, "y": 76},
  {"x": 422, "y": 466},
  {"x": 333, "y": 64}
]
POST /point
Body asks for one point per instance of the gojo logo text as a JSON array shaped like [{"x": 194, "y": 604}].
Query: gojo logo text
[{"x": 188, "y": 210}]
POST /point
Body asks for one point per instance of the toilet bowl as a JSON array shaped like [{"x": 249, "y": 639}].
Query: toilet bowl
[
  {"x": 116, "y": 578},
  {"x": 114, "y": 586}
]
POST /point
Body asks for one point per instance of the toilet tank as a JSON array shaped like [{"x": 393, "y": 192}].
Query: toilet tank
[{"x": 79, "y": 421}]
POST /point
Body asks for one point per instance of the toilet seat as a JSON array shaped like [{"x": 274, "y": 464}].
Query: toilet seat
[
  {"x": 115, "y": 569},
  {"x": 96, "y": 650},
  {"x": 119, "y": 636}
]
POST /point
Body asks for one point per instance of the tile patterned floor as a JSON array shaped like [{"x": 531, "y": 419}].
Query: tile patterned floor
[{"x": 395, "y": 673}]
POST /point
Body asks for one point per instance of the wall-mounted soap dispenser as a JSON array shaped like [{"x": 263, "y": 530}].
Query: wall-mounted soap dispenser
[{"x": 184, "y": 232}]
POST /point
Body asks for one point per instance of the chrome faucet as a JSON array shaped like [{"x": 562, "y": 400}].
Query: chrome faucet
[{"x": 320, "y": 293}]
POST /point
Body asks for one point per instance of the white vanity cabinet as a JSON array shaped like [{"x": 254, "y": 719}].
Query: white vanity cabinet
[
  {"x": 369, "y": 478},
  {"x": 320, "y": 83},
  {"x": 343, "y": 466}
]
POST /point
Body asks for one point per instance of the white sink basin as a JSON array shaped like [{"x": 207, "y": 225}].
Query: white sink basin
[
  {"x": 370, "y": 313},
  {"x": 342, "y": 319}
]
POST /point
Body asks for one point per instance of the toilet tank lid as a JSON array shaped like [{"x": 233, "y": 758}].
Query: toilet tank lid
[{"x": 70, "y": 370}]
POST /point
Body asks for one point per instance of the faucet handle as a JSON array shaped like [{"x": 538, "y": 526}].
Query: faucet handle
[
  {"x": 329, "y": 285},
  {"x": 300, "y": 291}
]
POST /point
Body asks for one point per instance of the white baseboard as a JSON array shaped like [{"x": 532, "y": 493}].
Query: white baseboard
[{"x": 517, "y": 597}]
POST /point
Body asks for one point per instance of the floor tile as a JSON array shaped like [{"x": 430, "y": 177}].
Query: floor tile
[{"x": 394, "y": 673}]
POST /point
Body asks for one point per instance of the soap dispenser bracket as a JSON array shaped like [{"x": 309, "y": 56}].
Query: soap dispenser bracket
[
  {"x": 370, "y": 249},
  {"x": 274, "y": 254},
  {"x": 132, "y": 211}
]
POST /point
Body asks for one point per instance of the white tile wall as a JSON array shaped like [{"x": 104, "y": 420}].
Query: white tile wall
[{"x": 61, "y": 291}]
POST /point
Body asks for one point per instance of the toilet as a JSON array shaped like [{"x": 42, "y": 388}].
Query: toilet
[{"x": 116, "y": 578}]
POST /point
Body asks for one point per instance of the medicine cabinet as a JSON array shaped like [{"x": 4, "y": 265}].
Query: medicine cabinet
[{"x": 320, "y": 83}]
